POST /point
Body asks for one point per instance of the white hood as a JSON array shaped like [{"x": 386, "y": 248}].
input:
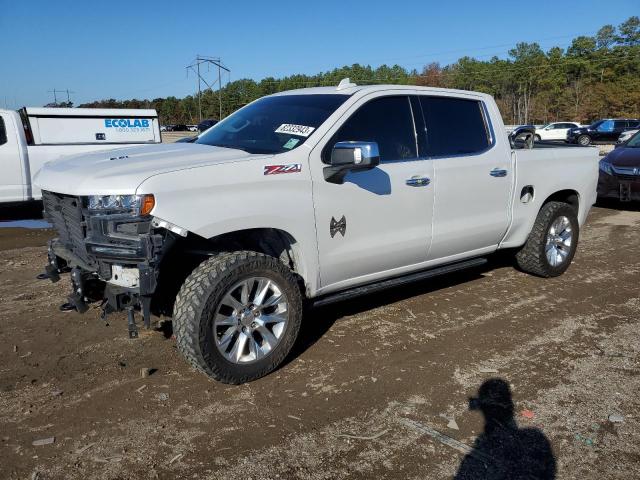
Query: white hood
[{"x": 122, "y": 170}]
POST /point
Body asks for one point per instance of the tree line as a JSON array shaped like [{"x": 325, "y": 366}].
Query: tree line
[{"x": 595, "y": 77}]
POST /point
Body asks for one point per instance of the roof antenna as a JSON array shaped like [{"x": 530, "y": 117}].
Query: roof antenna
[{"x": 345, "y": 83}]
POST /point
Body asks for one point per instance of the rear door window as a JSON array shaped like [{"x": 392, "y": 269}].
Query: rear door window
[
  {"x": 386, "y": 121},
  {"x": 606, "y": 126},
  {"x": 455, "y": 126}
]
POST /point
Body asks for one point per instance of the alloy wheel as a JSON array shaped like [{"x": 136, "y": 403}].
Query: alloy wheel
[
  {"x": 250, "y": 320},
  {"x": 558, "y": 241}
]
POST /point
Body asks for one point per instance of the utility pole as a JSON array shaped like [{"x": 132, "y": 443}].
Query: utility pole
[
  {"x": 55, "y": 92},
  {"x": 195, "y": 67},
  {"x": 199, "y": 95},
  {"x": 219, "y": 94}
]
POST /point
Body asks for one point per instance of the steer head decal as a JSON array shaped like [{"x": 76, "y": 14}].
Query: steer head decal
[{"x": 338, "y": 226}]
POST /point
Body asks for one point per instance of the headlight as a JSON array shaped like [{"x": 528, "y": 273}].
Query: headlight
[
  {"x": 606, "y": 167},
  {"x": 134, "y": 204}
]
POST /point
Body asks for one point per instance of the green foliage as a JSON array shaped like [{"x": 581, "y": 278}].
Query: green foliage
[
  {"x": 595, "y": 77},
  {"x": 59, "y": 105}
]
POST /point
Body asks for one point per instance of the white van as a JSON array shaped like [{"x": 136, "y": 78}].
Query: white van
[{"x": 31, "y": 137}]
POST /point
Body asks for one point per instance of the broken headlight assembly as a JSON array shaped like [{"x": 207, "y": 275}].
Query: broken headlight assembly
[{"x": 136, "y": 205}]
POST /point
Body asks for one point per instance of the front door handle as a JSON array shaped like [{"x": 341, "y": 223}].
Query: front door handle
[
  {"x": 417, "y": 181},
  {"x": 498, "y": 172}
]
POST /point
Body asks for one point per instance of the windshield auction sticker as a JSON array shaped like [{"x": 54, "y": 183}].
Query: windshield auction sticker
[
  {"x": 292, "y": 142},
  {"x": 298, "y": 130}
]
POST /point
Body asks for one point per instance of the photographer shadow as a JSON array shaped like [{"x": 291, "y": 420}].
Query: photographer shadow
[{"x": 502, "y": 450}]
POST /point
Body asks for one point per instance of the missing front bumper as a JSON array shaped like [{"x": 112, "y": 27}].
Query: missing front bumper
[{"x": 114, "y": 282}]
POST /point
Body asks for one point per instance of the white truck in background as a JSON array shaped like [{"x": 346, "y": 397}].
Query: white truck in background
[{"x": 31, "y": 137}]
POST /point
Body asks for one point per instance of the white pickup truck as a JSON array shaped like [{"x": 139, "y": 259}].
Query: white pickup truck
[
  {"x": 31, "y": 137},
  {"x": 303, "y": 198}
]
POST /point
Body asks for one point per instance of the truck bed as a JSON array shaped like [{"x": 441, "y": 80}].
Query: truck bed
[{"x": 545, "y": 169}]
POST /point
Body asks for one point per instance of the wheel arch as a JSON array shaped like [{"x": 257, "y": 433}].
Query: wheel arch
[
  {"x": 274, "y": 242},
  {"x": 518, "y": 234},
  {"x": 569, "y": 196},
  {"x": 184, "y": 254}
]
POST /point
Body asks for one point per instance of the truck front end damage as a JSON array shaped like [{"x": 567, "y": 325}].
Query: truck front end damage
[{"x": 112, "y": 247}]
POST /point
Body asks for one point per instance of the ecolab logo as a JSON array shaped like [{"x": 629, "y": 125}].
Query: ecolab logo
[{"x": 126, "y": 123}]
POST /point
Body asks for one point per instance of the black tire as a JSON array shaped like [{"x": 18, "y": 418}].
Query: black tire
[
  {"x": 584, "y": 140},
  {"x": 198, "y": 300},
  {"x": 532, "y": 257},
  {"x": 537, "y": 138}
]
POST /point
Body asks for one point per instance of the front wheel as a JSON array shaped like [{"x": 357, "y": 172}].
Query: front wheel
[
  {"x": 552, "y": 242},
  {"x": 237, "y": 316},
  {"x": 537, "y": 138}
]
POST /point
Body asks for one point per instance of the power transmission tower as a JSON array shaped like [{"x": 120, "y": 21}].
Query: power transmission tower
[
  {"x": 55, "y": 91},
  {"x": 195, "y": 67}
]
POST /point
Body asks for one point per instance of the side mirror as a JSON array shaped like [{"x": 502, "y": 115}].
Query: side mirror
[
  {"x": 351, "y": 156},
  {"x": 523, "y": 137}
]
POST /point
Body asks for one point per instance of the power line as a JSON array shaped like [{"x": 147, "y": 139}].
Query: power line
[
  {"x": 476, "y": 49},
  {"x": 195, "y": 67}
]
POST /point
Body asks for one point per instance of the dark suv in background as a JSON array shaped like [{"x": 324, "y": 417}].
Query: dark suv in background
[
  {"x": 206, "y": 124},
  {"x": 606, "y": 131}
]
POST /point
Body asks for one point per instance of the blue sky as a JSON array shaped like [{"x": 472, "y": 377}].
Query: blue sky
[{"x": 139, "y": 48}]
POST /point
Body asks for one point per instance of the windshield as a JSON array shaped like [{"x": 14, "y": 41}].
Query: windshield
[
  {"x": 634, "y": 142},
  {"x": 273, "y": 124}
]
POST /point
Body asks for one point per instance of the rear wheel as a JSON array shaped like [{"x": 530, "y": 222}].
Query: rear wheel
[
  {"x": 237, "y": 316},
  {"x": 584, "y": 140},
  {"x": 552, "y": 242}
]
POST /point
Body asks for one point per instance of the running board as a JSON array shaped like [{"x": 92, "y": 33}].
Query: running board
[{"x": 396, "y": 282}]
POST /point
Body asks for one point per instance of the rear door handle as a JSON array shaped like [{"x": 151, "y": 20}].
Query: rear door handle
[
  {"x": 418, "y": 181},
  {"x": 498, "y": 172}
]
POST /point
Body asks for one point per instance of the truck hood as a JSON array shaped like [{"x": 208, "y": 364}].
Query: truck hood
[
  {"x": 122, "y": 170},
  {"x": 624, "y": 157}
]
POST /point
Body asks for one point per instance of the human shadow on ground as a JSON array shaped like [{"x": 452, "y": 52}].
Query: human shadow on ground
[{"x": 503, "y": 451}]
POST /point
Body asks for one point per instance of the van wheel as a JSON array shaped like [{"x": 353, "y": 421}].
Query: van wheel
[
  {"x": 584, "y": 140},
  {"x": 552, "y": 242},
  {"x": 237, "y": 316}
]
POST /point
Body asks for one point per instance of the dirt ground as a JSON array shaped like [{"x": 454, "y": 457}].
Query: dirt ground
[{"x": 377, "y": 388}]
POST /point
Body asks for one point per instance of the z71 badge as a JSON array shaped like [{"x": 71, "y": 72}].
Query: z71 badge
[{"x": 277, "y": 169}]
